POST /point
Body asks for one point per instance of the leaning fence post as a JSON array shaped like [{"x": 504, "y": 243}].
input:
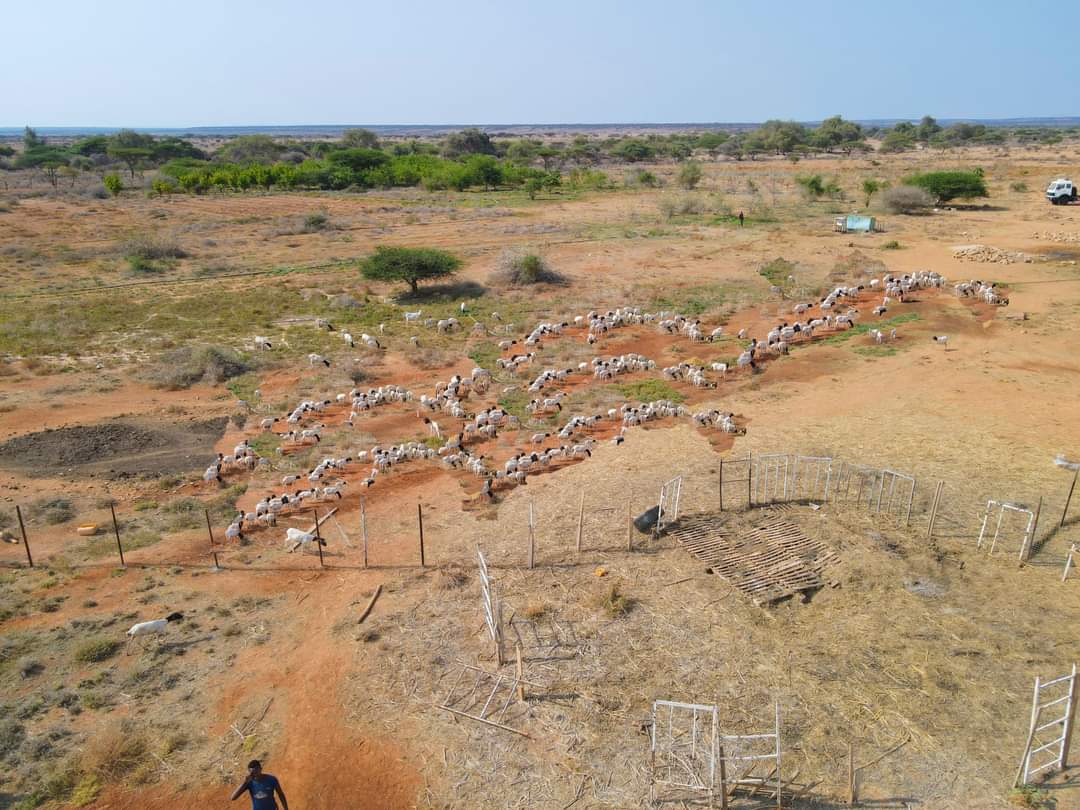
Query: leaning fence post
[
  {"x": 318, "y": 536},
  {"x": 721, "y": 485},
  {"x": 1065, "y": 511},
  {"x": 209, "y": 530},
  {"x": 1021, "y": 772},
  {"x": 911, "y": 497},
  {"x": 580, "y": 520},
  {"x": 363, "y": 528},
  {"x": 116, "y": 529},
  {"x": 420, "y": 521},
  {"x": 933, "y": 510},
  {"x": 629, "y": 526},
  {"x": 26, "y": 543}
]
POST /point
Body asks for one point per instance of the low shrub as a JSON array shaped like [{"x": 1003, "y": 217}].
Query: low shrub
[
  {"x": 97, "y": 650},
  {"x": 906, "y": 199},
  {"x": 153, "y": 248},
  {"x": 53, "y": 511},
  {"x": 681, "y": 205},
  {"x": 517, "y": 268}
]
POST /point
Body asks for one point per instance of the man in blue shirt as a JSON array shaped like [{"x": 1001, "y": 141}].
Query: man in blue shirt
[{"x": 262, "y": 787}]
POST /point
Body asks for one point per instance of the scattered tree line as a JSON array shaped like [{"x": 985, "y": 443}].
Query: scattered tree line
[{"x": 470, "y": 158}]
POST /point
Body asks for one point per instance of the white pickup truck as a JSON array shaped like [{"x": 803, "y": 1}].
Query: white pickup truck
[{"x": 1061, "y": 192}]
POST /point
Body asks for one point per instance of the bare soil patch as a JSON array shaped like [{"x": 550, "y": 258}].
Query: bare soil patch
[{"x": 114, "y": 449}]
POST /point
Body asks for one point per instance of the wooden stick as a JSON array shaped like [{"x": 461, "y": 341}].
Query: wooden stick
[
  {"x": 580, "y": 520},
  {"x": 209, "y": 530},
  {"x": 1068, "y": 500},
  {"x": 721, "y": 485},
  {"x": 370, "y": 604},
  {"x": 116, "y": 528},
  {"x": 933, "y": 510},
  {"x": 884, "y": 754},
  {"x": 723, "y": 766},
  {"x": 26, "y": 543},
  {"x": 363, "y": 528},
  {"x": 850, "y": 774},
  {"x": 420, "y": 519},
  {"x": 520, "y": 673},
  {"x": 1068, "y": 562},
  {"x": 486, "y": 722}
]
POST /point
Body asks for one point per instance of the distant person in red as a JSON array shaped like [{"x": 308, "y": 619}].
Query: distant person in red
[
  {"x": 740, "y": 219},
  {"x": 262, "y": 787}
]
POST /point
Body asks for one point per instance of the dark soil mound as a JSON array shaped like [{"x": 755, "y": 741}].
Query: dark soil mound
[{"x": 115, "y": 449}]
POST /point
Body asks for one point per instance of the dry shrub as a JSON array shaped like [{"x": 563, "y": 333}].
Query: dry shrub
[
  {"x": 114, "y": 752},
  {"x": 95, "y": 650},
  {"x": 152, "y": 248},
  {"x": 429, "y": 357},
  {"x": 534, "y": 610},
  {"x": 519, "y": 268},
  {"x": 449, "y": 579},
  {"x": 182, "y": 368},
  {"x": 613, "y": 601},
  {"x": 681, "y": 205},
  {"x": 906, "y": 199}
]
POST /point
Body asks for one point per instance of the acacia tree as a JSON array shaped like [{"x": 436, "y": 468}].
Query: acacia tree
[
  {"x": 870, "y": 187},
  {"x": 411, "y": 265}
]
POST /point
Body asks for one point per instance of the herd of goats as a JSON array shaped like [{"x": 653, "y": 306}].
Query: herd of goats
[{"x": 575, "y": 440}]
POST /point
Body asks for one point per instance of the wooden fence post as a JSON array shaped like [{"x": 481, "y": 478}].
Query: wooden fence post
[
  {"x": 318, "y": 536},
  {"x": 749, "y": 481},
  {"x": 723, "y": 780},
  {"x": 26, "y": 543},
  {"x": 532, "y": 540},
  {"x": 363, "y": 528},
  {"x": 933, "y": 510},
  {"x": 629, "y": 526},
  {"x": 209, "y": 530},
  {"x": 721, "y": 485},
  {"x": 1021, "y": 772},
  {"x": 420, "y": 520},
  {"x": 1068, "y": 500},
  {"x": 116, "y": 529},
  {"x": 580, "y": 520}
]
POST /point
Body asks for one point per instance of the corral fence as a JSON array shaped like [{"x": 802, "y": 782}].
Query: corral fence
[{"x": 360, "y": 532}]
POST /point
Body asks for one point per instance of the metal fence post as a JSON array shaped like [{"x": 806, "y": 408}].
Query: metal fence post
[{"x": 26, "y": 543}]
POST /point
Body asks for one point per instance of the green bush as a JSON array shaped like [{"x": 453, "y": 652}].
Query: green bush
[
  {"x": 1019, "y": 188},
  {"x": 54, "y": 510},
  {"x": 690, "y": 174},
  {"x": 411, "y": 265},
  {"x": 892, "y": 244},
  {"x": 113, "y": 184},
  {"x": 945, "y": 186},
  {"x": 96, "y": 650},
  {"x": 649, "y": 391}
]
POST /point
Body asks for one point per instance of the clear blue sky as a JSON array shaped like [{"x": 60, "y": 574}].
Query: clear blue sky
[{"x": 220, "y": 62}]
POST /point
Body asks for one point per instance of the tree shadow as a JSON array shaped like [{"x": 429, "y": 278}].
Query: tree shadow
[{"x": 442, "y": 293}]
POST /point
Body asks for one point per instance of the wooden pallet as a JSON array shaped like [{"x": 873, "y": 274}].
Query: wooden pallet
[{"x": 771, "y": 560}]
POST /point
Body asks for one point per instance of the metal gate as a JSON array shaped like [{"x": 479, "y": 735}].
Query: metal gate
[
  {"x": 1048, "y": 740},
  {"x": 1003, "y": 508},
  {"x": 670, "y": 493}
]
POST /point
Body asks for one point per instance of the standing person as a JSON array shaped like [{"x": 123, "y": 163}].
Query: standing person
[
  {"x": 262, "y": 787},
  {"x": 740, "y": 219}
]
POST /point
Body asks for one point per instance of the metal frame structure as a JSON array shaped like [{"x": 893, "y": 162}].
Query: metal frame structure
[
  {"x": 817, "y": 464},
  {"x": 684, "y": 751},
  {"x": 1003, "y": 507},
  {"x": 670, "y": 493},
  {"x": 490, "y": 710},
  {"x": 895, "y": 477},
  {"x": 1060, "y": 727},
  {"x": 741, "y": 753},
  {"x": 489, "y": 602},
  {"x": 780, "y": 465}
]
